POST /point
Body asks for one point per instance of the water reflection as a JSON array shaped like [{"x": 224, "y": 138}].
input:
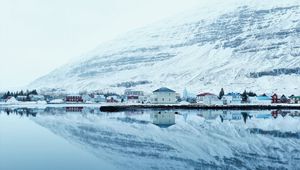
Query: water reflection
[
  {"x": 158, "y": 139},
  {"x": 163, "y": 119}
]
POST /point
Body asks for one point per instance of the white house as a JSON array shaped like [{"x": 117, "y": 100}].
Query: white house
[
  {"x": 208, "y": 99},
  {"x": 134, "y": 96},
  {"x": 99, "y": 98},
  {"x": 164, "y": 95},
  {"x": 36, "y": 97},
  {"x": 113, "y": 99},
  {"x": 261, "y": 100},
  {"x": 21, "y": 98},
  {"x": 232, "y": 99}
]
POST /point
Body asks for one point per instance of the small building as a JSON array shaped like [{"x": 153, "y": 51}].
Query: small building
[
  {"x": 132, "y": 99},
  {"x": 208, "y": 99},
  {"x": 275, "y": 98},
  {"x": 164, "y": 95},
  {"x": 22, "y": 98},
  {"x": 284, "y": 99},
  {"x": 134, "y": 96},
  {"x": 87, "y": 98},
  {"x": 130, "y": 92},
  {"x": 261, "y": 100},
  {"x": 113, "y": 99},
  {"x": 99, "y": 98},
  {"x": 294, "y": 99},
  {"x": 232, "y": 99},
  {"x": 74, "y": 99},
  {"x": 11, "y": 100},
  {"x": 56, "y": 101},
  {"x": 36, "y": 97}
]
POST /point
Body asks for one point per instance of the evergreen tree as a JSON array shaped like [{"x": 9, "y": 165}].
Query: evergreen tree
[
  {"x": 244, "y": 96},
  {"x": 251, "y": 94},
  {"x": 185, "y": 94},
  {"x": 222, "y": 93}
]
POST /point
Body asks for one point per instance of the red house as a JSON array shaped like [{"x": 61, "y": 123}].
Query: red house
[
  {"x": 74, "y": 99},
  {"x": 275, "y": 98}
]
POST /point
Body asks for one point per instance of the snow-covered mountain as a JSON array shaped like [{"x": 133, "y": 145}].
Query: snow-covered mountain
[{"x": 237, "y": 45}]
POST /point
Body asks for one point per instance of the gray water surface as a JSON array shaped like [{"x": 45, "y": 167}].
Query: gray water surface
[{"x": 85, "y": 138}]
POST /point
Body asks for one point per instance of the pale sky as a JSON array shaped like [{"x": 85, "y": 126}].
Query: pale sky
[{"x": 37, "y": 36}]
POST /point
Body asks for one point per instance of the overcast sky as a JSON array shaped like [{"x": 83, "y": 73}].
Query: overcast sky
[{"x": 37, "y": 36}]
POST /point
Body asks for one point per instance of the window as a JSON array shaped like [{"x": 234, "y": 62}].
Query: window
[{"x": 163, "y": 99}]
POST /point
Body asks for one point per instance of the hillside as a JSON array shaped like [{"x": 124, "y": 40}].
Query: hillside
[{"x": 236, "y": 45}]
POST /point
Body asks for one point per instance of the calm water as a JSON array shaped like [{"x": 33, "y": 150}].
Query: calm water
[{"x": 85, "y": 138}]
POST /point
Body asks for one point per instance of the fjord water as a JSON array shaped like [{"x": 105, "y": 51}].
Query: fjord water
[{"x": 85, "y": 138}]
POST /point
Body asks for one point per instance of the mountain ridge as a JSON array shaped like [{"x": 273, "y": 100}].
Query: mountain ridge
[{"x": 229, "y": 49}]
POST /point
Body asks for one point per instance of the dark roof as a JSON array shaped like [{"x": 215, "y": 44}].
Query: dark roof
[
  {"x": 206, "y": 94},
  {"x": 164, "y": 89}
]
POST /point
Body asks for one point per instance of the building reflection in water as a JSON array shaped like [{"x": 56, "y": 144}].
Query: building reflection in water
[{"x": 163, "y": 119}]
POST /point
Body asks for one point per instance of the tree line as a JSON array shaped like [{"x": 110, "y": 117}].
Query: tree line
[{"x": 26, "y": 93}]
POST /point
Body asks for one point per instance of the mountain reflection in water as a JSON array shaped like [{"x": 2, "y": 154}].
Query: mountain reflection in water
[{"x": 160, "y": 139}]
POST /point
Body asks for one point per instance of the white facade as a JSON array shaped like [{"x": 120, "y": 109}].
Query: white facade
[
  {"x": 164, "y": 98},
  {"x": 99, "y": 98},
  {"x": 261, "y": 101},
  {"x": 209, "y": 99},
  {"x": 37, "y": 97},
  {"x": 231, "y": 100},
  {"x": 164, "y": 95}
]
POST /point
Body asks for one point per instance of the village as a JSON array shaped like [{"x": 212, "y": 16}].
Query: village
[{"x": 161, "y": 96}]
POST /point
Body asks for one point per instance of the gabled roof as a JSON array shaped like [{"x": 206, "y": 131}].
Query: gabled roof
[
  {"x": 264, "y": 98},
  {"x": 233, "y": 94},
  {"x": 206, "y": 94},
  {"x": 164, "y": 89}
]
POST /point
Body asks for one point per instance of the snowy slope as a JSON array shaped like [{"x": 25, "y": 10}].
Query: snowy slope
[
  {"x": 131, "y": 141},
  {"x": 234, "y": 44}
]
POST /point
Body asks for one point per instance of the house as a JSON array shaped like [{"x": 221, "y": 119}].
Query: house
[
  {"x": 284, "y": 99},
  {"x": 87, "y": 98},
  {"x": 261, "y": 100},
  {"x": 112, "y": 99},
  {"x": 232, "y": 99},
  {"x": 132, "y": 99},
  {"x": 36, "y": 97},
  {"x": 294, "y": 99},
  {"x": 163, "y": 119},
  {"x": 22, "y": 98},
  {"x": 11, "y": 100},
  {"x": 275, "y": 98},
  {"x": 130, "y": 92},
  {"x": 208, "y": 99},
  {"x": 164, "y": 95},
  {"x": 133, "y": 96},
  {"x": 74, "y": 99},
  {"x": 99, "y": 98}
]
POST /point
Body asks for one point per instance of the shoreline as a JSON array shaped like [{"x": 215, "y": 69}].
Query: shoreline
[
  {"x": 107, "y": 107},
  {"x": 118, "y": 108}
]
